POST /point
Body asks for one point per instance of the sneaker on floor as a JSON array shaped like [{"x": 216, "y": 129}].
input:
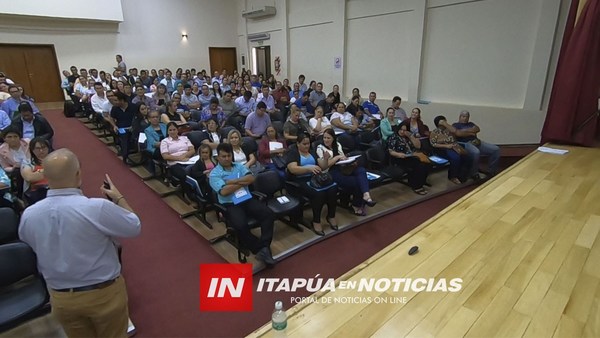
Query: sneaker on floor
[{"x": 265, "y": 256}]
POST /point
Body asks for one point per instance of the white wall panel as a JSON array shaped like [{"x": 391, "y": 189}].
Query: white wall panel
[
  {"x": 377, "y": 55},
  {"x": 479, "y": 53},
  {"x": 311, "y": 56},
  {"x": 103, "y": 10}
]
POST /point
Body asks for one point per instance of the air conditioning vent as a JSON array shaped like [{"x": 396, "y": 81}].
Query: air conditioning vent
[
  {"x": 259, "y": 37},
  {"x": 261, "y": 12}
]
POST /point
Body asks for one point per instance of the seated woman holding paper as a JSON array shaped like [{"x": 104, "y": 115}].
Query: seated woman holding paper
[
  {"x": 241, "y": 154},
  {"x": 404, "y": 149},
  {"x": 319, "y": 123},
  {"x": 302, "y": 164},
  {"x": 348, "y": 176},
  {"x": 177, "y": 151},
  {"x": 271, "y": 150}
]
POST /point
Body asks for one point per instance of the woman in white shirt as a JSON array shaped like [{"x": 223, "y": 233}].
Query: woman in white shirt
[{"x": 319, "y": 123}]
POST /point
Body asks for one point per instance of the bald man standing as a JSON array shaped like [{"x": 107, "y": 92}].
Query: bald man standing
[{"x": 72, "y": 236}]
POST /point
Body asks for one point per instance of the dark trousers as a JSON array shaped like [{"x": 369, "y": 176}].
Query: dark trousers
[
  {"x": 459, "y": 164},
  {"x": 417, "y": 171},
  {"x": 356, "y": 183},
  {"x": 237, "y": 218},
  {"x": 318, "y": 199},
  {"x": 125, "y": 140},
  {"x": 179, "y": 171}
]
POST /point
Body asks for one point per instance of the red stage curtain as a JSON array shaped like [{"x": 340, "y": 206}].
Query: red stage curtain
[{"x": 576, "y": 88}]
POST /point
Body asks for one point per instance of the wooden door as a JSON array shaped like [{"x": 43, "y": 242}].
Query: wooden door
[
  {"x": 222, "y": 58},
  {"x": 35, "y": 68}
]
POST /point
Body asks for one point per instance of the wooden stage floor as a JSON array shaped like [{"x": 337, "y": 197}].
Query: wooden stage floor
[{"x": 524, "y": 244}]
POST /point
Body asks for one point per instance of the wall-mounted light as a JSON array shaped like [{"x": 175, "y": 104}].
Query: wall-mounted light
[{"x": 184, "y": 36}]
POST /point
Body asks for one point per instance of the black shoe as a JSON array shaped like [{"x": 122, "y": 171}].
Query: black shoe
[
  {"x": 318, "y": 232},
  {"x": 333, "y": 226},
  {"x": 370, "y": 203},
  {"x": 476, "y": 177},
  {"x": 265, "y": 256}
]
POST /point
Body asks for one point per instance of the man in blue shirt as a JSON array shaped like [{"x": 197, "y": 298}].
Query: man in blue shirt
[
  {"x": 231, "y": 180},
  {"x": 369, "y": 106},
  {"x": 466, "y": 132},
  {"x": 11, "y": 105}
]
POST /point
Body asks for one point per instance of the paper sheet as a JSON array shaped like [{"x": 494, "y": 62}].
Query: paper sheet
[
  {"x": 552, "y": 150},
  {"x": 348, "y": 160},
  {"x": 192, "y": 160}
]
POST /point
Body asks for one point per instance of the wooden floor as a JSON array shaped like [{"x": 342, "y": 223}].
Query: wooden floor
[{"x": 525, "y": 245}]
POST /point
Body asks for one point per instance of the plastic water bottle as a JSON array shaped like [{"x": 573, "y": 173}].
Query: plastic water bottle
[{"x": 279, "y": 317}]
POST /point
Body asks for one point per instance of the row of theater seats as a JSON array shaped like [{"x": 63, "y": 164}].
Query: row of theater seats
[
  {"x": 268, "y": 185},
  {"x": 23, "y": 292}
]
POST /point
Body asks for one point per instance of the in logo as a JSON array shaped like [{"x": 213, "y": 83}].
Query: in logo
[{"x": 225, "y": 287}]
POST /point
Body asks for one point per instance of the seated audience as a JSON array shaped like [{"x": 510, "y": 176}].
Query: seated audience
[
  {"x": 319, "y": 123},
  {"x": 14, "y": 151},
  {"x": 229, "y": 179},
  {"x": 176, "y": 149},
  {"x": 295, "y": 126},
  {"x": 169, "y": 82},
  {"x": 442, "y": 139},
  {"x": 269, "y": 101},
  {"x": 271, "y": 150},
  {"x": 328, "y": 103},
  {"x": 11, "y": 105},
  {"x": 140, "y": 97},
  {"x": 387, "y": 125},
  {"x": 33, "y": 172},
  {"x": 304, "y": 104},
  {"x": 99, "y": 99},
  {"x": 466, "y": 132},
  {"x": 404, "y": 149},
  {"x": 122, "y": 115},
  {"x": 228, "y": 104},
  {"x": 202, "y": 168},
  {"x": 420, "y": 130},
  {"x": 302, "y": 164},
  {"x": 155, "y": 133},
  {"x": 350, "y": 177},
  {"x": 336, "y": 94},
  {"x": 398, "y": 111},
  {"x": 172, "y": 114},
  {"x": 213, "y": 139},
  {"x": 241, "y": 153},
  {"x": 216, "y": 89},
  {"x": 317, "y": 95},
  {"x": 205, "y": 97},
  {"x": 370, "y": 107},
  {"x": 189, "y": 99},
  {"x": 161, "y": 98},
  {"x": 343, "y": 122},
  {"x": 281, "y": 95},
  {"x": 32, "y": 125},
  {"x": 354, "y": 107},
  {"x": 140, "y": 121},
  {"x": 258, "y": 121},
  {"x": 214, "y": 112}
]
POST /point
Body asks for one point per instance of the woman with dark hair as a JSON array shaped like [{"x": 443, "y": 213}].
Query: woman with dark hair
[
  {"x": 420, "y": 130},
  {"x": 387, "y": 125},
  {"x": 113, "y": 84},
  {"x": 403, "y": 146},
  {"x": 355, "y": 106},
  {"x": 350, "y": 177},
  {"x": 176, "y": 150},
  {"x": 442, "y": 139},
  {"x": 33, "y": 172},
  {"x": 171, "y": 114},
  {"x": 271, "y": 150},
  {"x": 302, "y": 164},
  {"x": 140, "y": 120},
  {"x": 213, "y": 137},
  {"x": 161, "y": 97},
  {"x": 14, "y": 150},
  {"x": 216, "y": 90}
]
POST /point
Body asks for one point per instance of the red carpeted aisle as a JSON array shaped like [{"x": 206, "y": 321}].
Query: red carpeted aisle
[{"x": 161, "y": 265}]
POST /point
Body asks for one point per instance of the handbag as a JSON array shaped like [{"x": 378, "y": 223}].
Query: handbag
[
  {"x": 321, "y": 180},
  {"x": 279, "y": 162},
  {"x": 422, "y": 157}
]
